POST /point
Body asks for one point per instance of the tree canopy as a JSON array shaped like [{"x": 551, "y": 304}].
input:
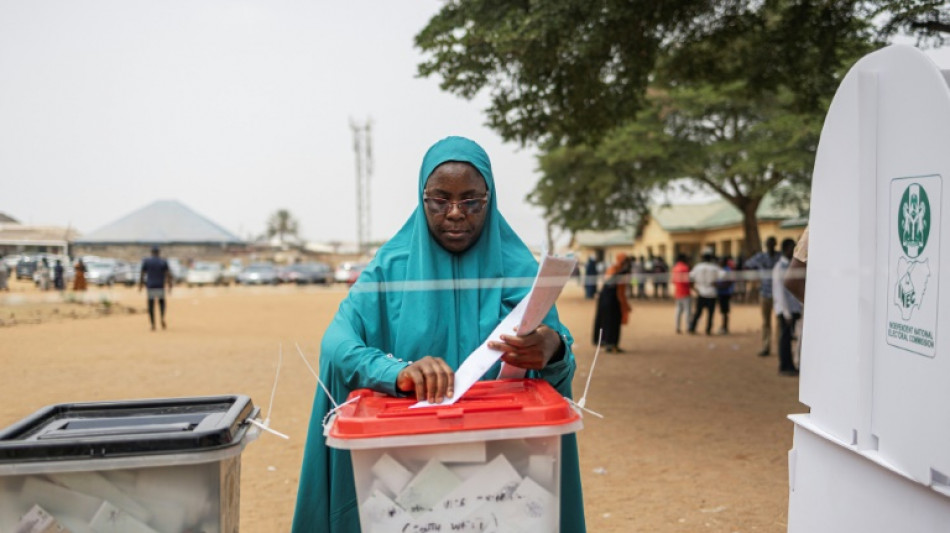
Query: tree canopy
[{"x": 624, "y": 97}]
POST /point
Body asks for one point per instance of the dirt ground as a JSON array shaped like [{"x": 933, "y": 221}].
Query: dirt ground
[{"x": 695, "y": 435}]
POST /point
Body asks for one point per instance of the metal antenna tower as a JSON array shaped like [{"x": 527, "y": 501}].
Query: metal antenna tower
[{"x": 362, "y": 146}]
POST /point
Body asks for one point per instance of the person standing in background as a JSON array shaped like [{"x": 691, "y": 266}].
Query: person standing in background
[
  {"x": 641, "y": 272},
  {"x": 704, "y": 277},
  {"x": 79, "y": 282},
  {"x": 660, "y": 278},
  {"x": 43, "y": 274},
  {"x": 155, "y": 277},
  {"x": 58, "y": 272},
  {"x": 590, "y": 278},
  {"x": 613, "y": 308},
  {"x": 4, "y": 275},
  {"x": 724, "y": 290},
  {"x": 764, "y": 262},
  {"x": 681, "y": 291},
  {"x": 795, "y": 276},
  {"x": 788, "y": 310}
]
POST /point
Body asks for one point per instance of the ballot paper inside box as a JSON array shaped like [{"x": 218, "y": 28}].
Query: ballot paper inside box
[
  {"x": 164, "y": 466},
  {"x": 489, "y": 462}
]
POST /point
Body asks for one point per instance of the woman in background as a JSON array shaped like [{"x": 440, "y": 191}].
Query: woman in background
[
  {"x": 612, "y": 305},
  {"x": 79, "y": 282}
]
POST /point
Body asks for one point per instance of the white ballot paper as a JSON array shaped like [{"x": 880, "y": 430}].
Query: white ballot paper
[{"x": 553, "y": 274}]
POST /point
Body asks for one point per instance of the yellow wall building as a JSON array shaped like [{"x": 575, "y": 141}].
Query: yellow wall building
[{"x": 691, "y": 229}]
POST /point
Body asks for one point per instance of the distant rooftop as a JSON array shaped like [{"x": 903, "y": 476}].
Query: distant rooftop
[
  {"x": 161, "y": 222},
  {"x": 693, "y": 217},
  {"x": 23, "y": 235},
  {"x": 715, "y": 214},
  {"x": 603, "y": 239}
]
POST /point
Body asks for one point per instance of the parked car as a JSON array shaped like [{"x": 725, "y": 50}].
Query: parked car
[
  {"x": 127, "y": 273},
  {"x": 100, "y": 271},
  {"x": 206, "y": 273},
  {"x": 26, "y": 267},
  {"x": 11, "y": 261},
  {"x": 178, "y": 270},
  {"x": 258, "y": 274},
  {"x": 234, "y": 268},
  {"x": 305, "y": 273},
  {"x": 344, "y": 272},
  {"x": 355, "y": 272}
]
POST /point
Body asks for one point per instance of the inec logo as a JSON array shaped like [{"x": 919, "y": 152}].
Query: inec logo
[
  {"x": 913, "y": 262},
  {"x": 913, "y": 228},
  {"x": 913, "y": 220}
]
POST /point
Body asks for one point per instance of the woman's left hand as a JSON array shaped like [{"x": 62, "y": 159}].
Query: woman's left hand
[{"x": 532, "y": 351}]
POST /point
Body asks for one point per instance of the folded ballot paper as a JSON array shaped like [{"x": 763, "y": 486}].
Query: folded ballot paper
[
  {"x": 493, "y": 496},
  {"x": 553, "y": 274},
  {"x": 174, "y": 499}
]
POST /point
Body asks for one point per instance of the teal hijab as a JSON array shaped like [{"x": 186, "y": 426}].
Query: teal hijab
[
  {"x": 415, "y": 299},
  {"x": 484, "y": 282}
]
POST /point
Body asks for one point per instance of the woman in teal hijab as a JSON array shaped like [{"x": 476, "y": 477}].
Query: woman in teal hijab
[{"x": 432, "y": 294}]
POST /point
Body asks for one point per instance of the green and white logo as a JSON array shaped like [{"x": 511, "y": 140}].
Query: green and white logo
[
  {"x": 913, "y": 220},
  {"x": 914, "y": 264}
]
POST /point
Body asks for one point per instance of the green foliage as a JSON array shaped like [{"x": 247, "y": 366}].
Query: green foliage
[
  {"x": 928, "y": 20},
  {"x": 282, "y": 224},
  {"x": 734, "y": 145},
  {"x": 554, "y": 69},
  {"x": 581, "y": 189}
]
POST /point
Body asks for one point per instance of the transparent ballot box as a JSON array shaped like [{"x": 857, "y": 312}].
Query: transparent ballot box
[
  {"x": 489, "y": 462},
  {"x": 141, "y": 466}
]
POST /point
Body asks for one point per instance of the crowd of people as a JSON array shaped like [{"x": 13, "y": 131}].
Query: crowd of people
[{"x": 712, "y": 283}]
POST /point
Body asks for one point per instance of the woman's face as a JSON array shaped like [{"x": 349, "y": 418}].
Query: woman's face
[{"x": 456, "y": 205}]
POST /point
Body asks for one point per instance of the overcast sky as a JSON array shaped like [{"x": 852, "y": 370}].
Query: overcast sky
[{"x": 236, "y": 108}]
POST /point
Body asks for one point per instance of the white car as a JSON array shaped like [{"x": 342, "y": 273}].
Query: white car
[
  {"x": 347, "y": 272},
  {"x": 205, "y": 273}
]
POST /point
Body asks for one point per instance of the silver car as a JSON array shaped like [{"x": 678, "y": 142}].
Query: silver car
[
  {"x": 259, "y": 274},
  {"x": 100, "y": 272},
  {"x": 205, "y": 273},
  {"x": 127, "y": 273}
]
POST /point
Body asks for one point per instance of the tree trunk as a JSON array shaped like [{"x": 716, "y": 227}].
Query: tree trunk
[
  {"x": 549, "y": 231},
  {"x": 750, "y": 223}
]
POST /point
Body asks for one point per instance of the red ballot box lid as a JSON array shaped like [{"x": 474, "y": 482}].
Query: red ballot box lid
[{"x": 488, "y": 405}]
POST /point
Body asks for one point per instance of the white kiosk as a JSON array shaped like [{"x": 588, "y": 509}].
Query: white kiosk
[{"x": 874, "y": 453}]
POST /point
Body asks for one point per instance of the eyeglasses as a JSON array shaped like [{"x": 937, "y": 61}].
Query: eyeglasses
[{"x": 443, "y": 206}]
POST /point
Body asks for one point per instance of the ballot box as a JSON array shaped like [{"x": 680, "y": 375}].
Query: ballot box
[
  {"x": 143, "y": 466},
  {"x": 489, "y": 462}
]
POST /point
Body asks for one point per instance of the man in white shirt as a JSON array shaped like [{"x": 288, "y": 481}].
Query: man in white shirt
[
  {"x": 788, "y": 310},
  {"x": 704, "y": 277}
]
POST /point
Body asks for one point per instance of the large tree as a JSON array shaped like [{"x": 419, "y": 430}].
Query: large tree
[
  {"x": 723, "y": 140},
  {"x": 738, "y": 92}
]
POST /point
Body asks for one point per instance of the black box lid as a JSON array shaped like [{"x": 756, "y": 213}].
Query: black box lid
[{"x": 124, "y": 428}]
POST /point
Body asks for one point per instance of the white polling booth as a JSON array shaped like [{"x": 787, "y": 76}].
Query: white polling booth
[{"x": 874, "y": 452}]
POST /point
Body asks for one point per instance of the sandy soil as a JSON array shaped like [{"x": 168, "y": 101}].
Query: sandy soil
[{"x": 695, "y": 436}]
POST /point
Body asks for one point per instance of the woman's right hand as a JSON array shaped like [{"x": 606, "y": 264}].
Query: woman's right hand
[{"x": 430, "y": 377}]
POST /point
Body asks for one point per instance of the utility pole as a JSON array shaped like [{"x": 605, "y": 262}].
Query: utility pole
[{"x": 363, "y": 148}]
